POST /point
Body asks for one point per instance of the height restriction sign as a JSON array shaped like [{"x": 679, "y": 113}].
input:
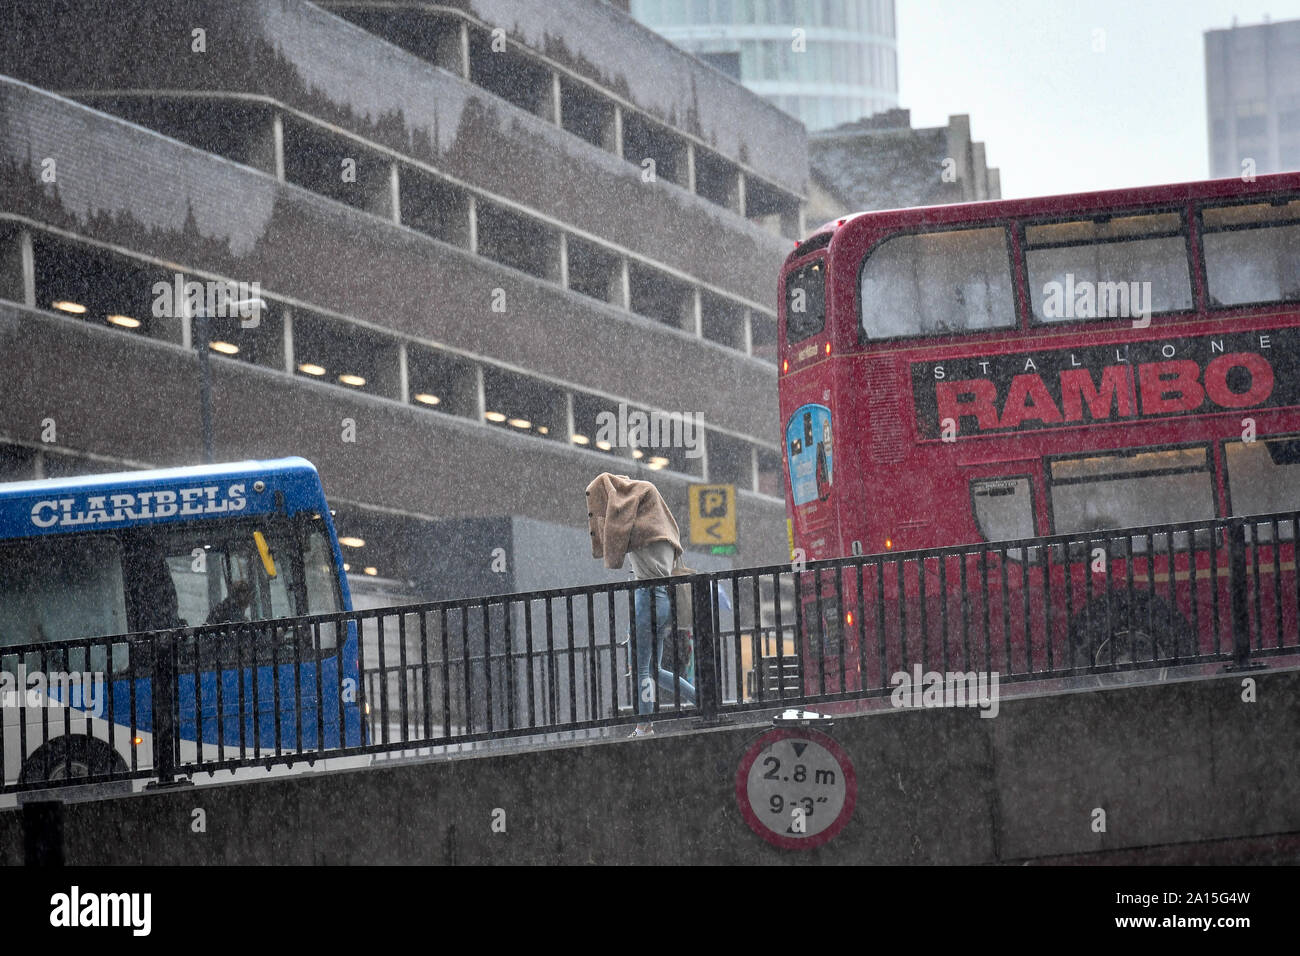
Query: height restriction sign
[{"x": 796, "y": 788}]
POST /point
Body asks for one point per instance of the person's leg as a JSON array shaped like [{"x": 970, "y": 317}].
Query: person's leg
[
  {"x": 643, "y": 689},
  {"x": 669, "y": 683}
]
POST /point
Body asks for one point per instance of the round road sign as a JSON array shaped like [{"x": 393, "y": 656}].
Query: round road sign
[{"x": 796, "y": 788}]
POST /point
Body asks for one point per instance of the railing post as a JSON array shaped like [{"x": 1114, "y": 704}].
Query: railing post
[
  {"x": 164, "y": 707},
  {"x": 1237, "y": 587},
  {"x": 706, "y": 670}
]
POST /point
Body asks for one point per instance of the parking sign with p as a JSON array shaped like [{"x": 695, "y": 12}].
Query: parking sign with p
[{"x": 713, "y": 517}]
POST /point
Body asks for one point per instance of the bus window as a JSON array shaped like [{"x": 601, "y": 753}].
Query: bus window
[
  {"x": 805, "y": 301},
  {"x": 56, "y": 589},
  {"x": 1122, "y": 267},
  {"x": 318, "y": 569},
  {"x": 936, "y": 283},
  {"x": 1264, "y": 478},
  {"x": 1252, "y": 253},
  {"x": 321, "y": 580},
  {"x": 1004, "y": 508},
  {"x": 1116, "y": 490}
]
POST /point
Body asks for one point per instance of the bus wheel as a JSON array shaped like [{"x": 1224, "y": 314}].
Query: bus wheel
[
  {"x": 70, "y": 758},
  {"x": 1139, "y": 628}
]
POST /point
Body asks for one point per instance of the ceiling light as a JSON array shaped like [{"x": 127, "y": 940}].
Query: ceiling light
[
  {"x": 521, "y": 423},
  {"x": 353, "y": 542},
  {"x": 427, "y": 398},
  {"x": 346, "y": 566},
  {"x": 125, "y": 321},
  {"x": 494, "y": 416},
  {"x": 637, "y": 453},
  {"x": 225, "y": 348},
  {"x": 656, "y": 463},
  {"x": 76, "y": 308},
  {"x": 354, "y": 380},
  {"x": 604, "y": 445},
  {"x": 371, "y": 571},
  {"x": 580, "y": 439},
  {"x": 308, "y": 368},
  {"x": 542, "y": 429}
]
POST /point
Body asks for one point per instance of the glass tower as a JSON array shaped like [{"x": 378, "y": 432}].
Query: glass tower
[{"x": 825, "y": 61}]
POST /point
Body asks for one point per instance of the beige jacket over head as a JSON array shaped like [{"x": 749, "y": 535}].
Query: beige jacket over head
[{"x": 624, "y": 514}]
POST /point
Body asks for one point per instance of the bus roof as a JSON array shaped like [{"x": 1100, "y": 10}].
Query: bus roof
[
  {"x": 160, "y": 477},
  {"x": 1065, "y": 203}
]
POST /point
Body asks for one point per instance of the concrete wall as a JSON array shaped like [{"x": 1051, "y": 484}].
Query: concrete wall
[
  {"x": 298, "y": 57},
  {"x": 260, "y": 413},
  {"x": 1172, "y": 764},
  {"x": 301, "y": 246},
  {"x": 293, "y": 243}
]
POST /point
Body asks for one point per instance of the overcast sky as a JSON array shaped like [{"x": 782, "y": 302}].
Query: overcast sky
[{"x": 1054, "y": 115}]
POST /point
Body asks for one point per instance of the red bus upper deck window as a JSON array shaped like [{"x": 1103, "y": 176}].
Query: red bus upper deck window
[
  {"x": 1123, "y": 267},
  {"x": 936, "y": 283},
  {"x": 805, "y": 301},
  {"x": 1252, "y": 253}
]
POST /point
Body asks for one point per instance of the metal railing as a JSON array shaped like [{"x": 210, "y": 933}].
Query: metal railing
[{"x": 196, "y": 700}]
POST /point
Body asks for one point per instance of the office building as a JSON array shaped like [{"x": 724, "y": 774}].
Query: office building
[{"x": 1252, "y": 86}]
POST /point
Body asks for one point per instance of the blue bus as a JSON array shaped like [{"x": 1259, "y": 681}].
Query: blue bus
[{"x": 219, "y": 553}]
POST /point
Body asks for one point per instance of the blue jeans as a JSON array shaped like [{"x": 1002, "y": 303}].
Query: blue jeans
[{"x": 644, "y": 650}]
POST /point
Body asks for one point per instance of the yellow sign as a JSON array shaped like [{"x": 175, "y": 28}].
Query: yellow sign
[{"x": 713, "y": 517}]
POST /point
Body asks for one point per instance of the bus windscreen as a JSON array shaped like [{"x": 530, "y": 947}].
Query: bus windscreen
[{"x": 66, "y": 587}]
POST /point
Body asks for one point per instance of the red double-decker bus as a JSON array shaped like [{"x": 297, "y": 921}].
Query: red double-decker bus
[{"x": 988, "y": 371}]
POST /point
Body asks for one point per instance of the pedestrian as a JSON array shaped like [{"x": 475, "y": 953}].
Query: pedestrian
[{"x": 629, "y": 517}]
